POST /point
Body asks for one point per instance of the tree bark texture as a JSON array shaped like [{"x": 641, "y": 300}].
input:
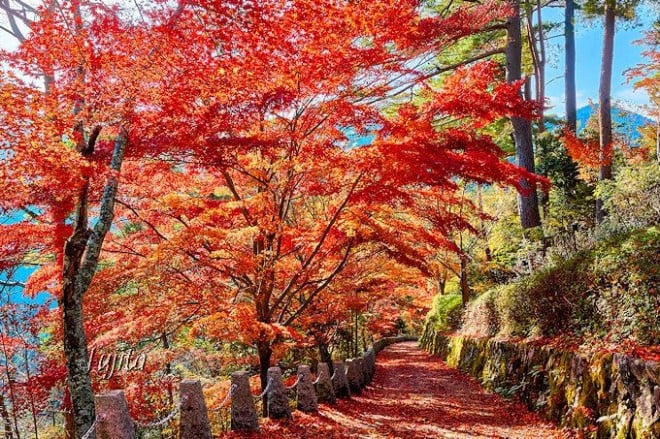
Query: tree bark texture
[
  {"x": 528, "y": 204},
  {"x": 569, "y": 61},
  {"x": 605, "y": 103}
]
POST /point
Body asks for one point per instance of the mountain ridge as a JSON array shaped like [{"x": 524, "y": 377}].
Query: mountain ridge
[{"x": 624, "y": 122}]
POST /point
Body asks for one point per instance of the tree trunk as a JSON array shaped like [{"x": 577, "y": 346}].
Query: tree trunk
[
  {"x": 33, "y": 408},
  {"x": 10, "y": 386},
  {"x": 168, "y": 368},
  {"x": 465, "y": 287},
  {"x": 75, "y": 340},
  {"x": 605, "y": 103},
  {"x": 81, "y": 257},
  {"x": 657, "y": 139},
  {"x": 528, "y": 205},
  {"x": 541, "y": 67},
  {"x": 442, "y": 285},
  {"x": 569, "y": 60},
  {"x": 265, "y": 352},
  {"x": 537, "y": 51},
  {"x": 355, "y": 335},
  {"x": 326, "y": 357},
  {"x": 4, "y": 414}
]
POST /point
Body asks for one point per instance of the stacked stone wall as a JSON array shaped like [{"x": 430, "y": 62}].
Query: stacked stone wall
[{"x": 603, "y": 395}]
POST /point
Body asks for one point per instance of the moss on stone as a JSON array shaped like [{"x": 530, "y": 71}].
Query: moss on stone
[{"x": 572, "y": 390}]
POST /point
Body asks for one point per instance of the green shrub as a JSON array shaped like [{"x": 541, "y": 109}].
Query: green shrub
[
  {"x": 611, "y": 290},
  {"x": 514, "y": 311},
  {"x": 480, "y": 318},
  {"x": 445, "y": 312},
  {"x": 632, "y": 199},
  {"x": 628, "y": 279}
]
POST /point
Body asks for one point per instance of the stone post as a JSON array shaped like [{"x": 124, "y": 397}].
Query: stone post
[
  {"x": 278, "y": 399},
  {"x": 114, "y": 420},
  {"x": 307, "y": 401},
  {"x": 371, "y": 362},
  {"x": 361, "y": 371},
  {"x": 324, "y": 390},
  {"x": 194, "y": 418},
  {"x": 353, "y": 376},
  {"x": 367, "y": 369},
  {"x": 339, "y": 381},
  {"x": 243, "y": 410}
]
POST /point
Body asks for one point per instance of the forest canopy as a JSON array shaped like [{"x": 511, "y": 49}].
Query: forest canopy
[{"x": 234, "y": 184}]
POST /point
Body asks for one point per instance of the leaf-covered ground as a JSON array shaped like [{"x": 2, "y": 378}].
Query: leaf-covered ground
[{"x": 414, "y": 395}]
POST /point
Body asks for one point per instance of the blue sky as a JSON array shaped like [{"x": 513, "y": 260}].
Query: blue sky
[
  {"x": 589, "y": 36},
  {"x": 15, "y": 294}
]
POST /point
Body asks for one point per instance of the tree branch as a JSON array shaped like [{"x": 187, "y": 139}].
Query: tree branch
[
  {"x": 237, "y": 197},
  {"x": 147, "y": 222},
  {"x": 318, "y": 290},
  {"x": 439, "y": 70},
  {"x": 106, "y": 215},
  {"x": 310, "y": 258}
]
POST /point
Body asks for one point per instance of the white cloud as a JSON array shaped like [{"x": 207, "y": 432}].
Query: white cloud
[
  {"x": 627, "y": 98},
  {"x": 633, "y": 100},
  {"x": 557, "y": 104}
]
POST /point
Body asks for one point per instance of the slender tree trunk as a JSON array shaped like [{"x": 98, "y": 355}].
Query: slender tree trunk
[
  {"x": 81, "y": 256},
  {"x": 605, "y": 103},
  {"x": 73, "y": 285},
  {"x": 33, "y": 407},
  {"x": 326, "y": 357},
  {"x": 465, "y": 287},
  {"x": 657, "y": 139},
  {"x": 75, "y": 339},
  {"x": 541, "y": 67},
  {"x": 4, "y": 414},
  {"x": 527, "y": 90},
  {"x": 442, "y": 284},
  {"x": 569, "y": 75},
  {"x": 355, "y": 335},
  {"x": 483, "y": 231},
  {"x": 265, "y": 352},
  {"x": 569, "y": 61},
  {"x": 365, "y": 342},
  {"x": 528, "y": 204},
  {"x": 537, "y": 50},
  {"x": 10, "y": 386},
  {"x": 168, "y": 368}
]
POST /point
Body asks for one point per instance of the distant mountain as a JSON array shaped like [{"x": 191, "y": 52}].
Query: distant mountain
[{"x": 626, "y": 123}]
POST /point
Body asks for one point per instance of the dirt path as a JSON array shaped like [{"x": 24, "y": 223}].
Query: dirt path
[{"x": 414, "y": 395}]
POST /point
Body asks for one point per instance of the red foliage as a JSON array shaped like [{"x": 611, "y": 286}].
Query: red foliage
[
  {"x": 242, "y": 214},
  {"x": 585, "y": 152}
]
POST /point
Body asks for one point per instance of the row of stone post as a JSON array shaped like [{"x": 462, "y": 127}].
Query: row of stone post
[
  {"x": 114, "y": 421},
  {"x": 350, "y": 377}
]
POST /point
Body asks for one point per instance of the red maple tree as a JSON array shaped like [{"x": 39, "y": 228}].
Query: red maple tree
[{"x": 190, "y": 163}]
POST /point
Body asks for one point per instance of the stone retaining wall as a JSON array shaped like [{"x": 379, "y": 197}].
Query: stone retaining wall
[{"x": 605, "y": 395}]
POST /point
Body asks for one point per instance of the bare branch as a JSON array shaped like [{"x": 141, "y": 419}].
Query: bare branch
[{"x": 11, "y": 284}]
